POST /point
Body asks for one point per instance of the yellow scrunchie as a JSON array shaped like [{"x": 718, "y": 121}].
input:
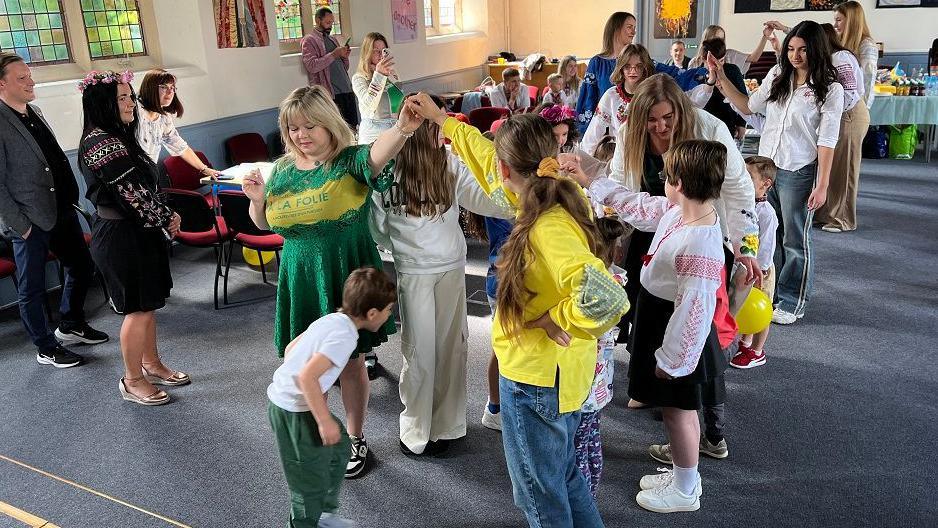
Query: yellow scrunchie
[{"x": 549, "y": 167}]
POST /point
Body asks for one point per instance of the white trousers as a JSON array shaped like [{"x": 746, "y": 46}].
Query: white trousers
[{"x": 433, "y": 343}]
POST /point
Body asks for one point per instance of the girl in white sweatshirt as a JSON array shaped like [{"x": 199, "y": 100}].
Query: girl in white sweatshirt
[{"x": 418, "y": 220}]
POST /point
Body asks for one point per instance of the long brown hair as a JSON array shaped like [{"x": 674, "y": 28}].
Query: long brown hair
[
  {"x": 634, "y": 133},
  {"x": 613, "y": 25},
  {"x": 855, "y": 30},
  {"x": 427, "y": 186},
  {"x": 632, "y": 50},
  {"x": 523, "y": 142},
  {"x": 573, "y": 83}
]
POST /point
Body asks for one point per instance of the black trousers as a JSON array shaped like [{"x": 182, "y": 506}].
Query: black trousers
[
  {"x": 348, "y": 107},
  {"x": 67, "y": 242}
]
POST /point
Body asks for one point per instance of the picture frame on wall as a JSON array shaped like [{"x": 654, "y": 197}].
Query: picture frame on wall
[
  {"x": 889, "y": 4},
  {"x": 778, "y": 6},
  {"x": 675, "y": 19}
]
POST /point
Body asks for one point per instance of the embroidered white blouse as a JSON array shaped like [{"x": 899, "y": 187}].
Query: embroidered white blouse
[
  {"x": 868, "y": 59},
  {"x": 685, "y": 267},
  {"x": 154, "y": 135},
  {"x": 849, "y": 76}
]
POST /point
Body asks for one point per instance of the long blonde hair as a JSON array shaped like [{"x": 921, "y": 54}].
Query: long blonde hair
[
  {"x": 855, "y": 30},
  {"x": 632, "y": 50},
  {"x": 315, "y": 105},
  {"x": 634, "y": 133},
  {"x": 572, "y": 83},
  {"x": 364, "y": 58},
  {"x": 613, "y": 25},
  {"x": 523, "y": 142},
  {"x": 427, "y": 186}
]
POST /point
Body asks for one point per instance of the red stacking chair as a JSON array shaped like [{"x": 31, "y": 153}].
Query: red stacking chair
[
  {"x": 482, "y": 118},
  {"x": 200, "y": 227},
  {"x": 533, "y": 94},
  {"x": 234, "y": 207},
  {"x": 186, "y": 177},
  {"x": 246, "y": 148},
  {"x": 7, "y": 269}
]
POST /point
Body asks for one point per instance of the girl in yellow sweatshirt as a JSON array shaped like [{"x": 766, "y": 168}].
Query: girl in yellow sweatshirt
[{"x": 555, "y": 297}]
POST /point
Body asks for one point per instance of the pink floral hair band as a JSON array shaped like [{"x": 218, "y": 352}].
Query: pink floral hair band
[
  {"x": 557, "y": 114},
  {"x": 105, "y": 77}
]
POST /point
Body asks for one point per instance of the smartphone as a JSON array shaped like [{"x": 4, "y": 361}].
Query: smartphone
[
  {"x": 224, "y": 177},
  {"x": 347, "y": 41},
  {"x": 385, "y": 52}
]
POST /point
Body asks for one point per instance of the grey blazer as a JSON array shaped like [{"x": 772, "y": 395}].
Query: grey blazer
[{"x": 27, "y": 193}]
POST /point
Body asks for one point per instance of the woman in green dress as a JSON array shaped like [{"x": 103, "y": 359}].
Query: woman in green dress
[{"x": 318, "y": 199}]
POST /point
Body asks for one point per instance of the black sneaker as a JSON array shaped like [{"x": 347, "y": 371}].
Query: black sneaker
[
  {"x": 358, "y": 460},
  {"x": 371, "y": 365},
  {"x": 58, "y": 357},
  {"x": 80, "y": 333}
]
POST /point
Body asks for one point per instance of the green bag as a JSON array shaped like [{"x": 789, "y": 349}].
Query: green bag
[{"x": 902, "y": 141}]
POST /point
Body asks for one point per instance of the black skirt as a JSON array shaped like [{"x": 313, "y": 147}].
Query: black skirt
[{"x": 134, "y": 264}]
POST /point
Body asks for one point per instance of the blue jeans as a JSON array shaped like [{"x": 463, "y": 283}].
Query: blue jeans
[
  {"x": 67, "y": 242},
  {"x": 539, "y": 449},
  {"x": 793, "y": 259}
]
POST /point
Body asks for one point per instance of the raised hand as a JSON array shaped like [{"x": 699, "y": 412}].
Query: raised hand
[
  {"x": 423, "y": 105},
  {"x": 409, "y": 119},
  {"x": 570, "y": 165},
  {"x": 386, "y": 66},
  {"x": 254, "y": 186}
]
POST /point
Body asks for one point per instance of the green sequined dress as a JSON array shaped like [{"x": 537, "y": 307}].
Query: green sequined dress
[{"x": 322, "y": 215}]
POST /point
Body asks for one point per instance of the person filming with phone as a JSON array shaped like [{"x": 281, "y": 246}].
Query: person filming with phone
[{"x": 327, "y": 64}]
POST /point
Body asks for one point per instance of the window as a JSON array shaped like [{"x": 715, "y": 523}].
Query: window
[
  {"x": 296, "y": 18},
  {"x": 69, "y": 37},
  {"x": 442, "y": 16}
]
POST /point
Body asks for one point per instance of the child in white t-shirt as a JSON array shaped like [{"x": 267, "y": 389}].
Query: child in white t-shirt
[
  {"x": 313, "y": 444},
  {"x": 762, "y": 170}
]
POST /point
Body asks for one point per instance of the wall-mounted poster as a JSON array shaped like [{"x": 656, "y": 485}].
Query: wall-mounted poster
[
  {"x": 404, "y": 18},
  {"x": 906, "y": 3},
  {"x": 240, "y": 23},
  {"x": 768, "y": 6},
  {"x": 675, "y": 19}
]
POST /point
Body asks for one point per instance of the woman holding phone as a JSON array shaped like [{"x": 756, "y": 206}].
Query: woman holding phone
[{"x": 371, "y": 85}]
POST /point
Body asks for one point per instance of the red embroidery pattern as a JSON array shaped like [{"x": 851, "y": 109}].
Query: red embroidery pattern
[
  {"x": 845, "y": 77},
  {"x": 690, "y": 337},
  {"x": 632, "y": 209},
  {"x": 697, "y": 266}
]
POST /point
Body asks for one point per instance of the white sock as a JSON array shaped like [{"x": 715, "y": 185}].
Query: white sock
[{"x": 685, "y": 479}]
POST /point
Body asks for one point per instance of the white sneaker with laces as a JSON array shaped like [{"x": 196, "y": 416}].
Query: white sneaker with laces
[
  {"x": 492, "y": 421},
  {"x": 782, "y": 317},
  {"x": 664, "y": 478},
  {"x": 667, "y": 499}
]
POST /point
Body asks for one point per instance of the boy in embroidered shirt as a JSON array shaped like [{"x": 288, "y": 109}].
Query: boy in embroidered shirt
[
  {"x": 314, "y": 447},
  {"x": 762, "y": 170},
  {"x": 556, "y": 94}
]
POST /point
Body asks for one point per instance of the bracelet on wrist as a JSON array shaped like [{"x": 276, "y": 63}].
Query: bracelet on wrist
[{"x": 402, "y": 132}]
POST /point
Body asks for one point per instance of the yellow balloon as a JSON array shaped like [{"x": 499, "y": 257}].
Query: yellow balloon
[
  {"x": 755, "y": 315},
  {"x": 250, "y": 256}
]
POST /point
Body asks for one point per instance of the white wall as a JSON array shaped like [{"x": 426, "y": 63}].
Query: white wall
[
  {"x": 558, "y": 27},
  {"x": 215, "y": 83},
  {"x": 899, "y": 29}
]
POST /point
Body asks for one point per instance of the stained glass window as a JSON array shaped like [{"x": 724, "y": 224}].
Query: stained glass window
[
  {"x": 34, "y": 30},
  {"x": 113, "y": 28},
  {"x": 289, "y": 21}
]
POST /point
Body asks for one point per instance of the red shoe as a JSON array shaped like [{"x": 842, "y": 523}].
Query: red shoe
[{"x": 747, "y": 358}]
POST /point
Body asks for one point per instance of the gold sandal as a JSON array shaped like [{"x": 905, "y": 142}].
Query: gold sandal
[
  {"x": 177, "y": 378},
  {"x": 157, "y": 398}
]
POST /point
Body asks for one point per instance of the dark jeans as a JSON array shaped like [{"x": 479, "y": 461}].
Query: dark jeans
[
  {"x": 68, "y": 243},
  {"x": 348, "y": 107}
]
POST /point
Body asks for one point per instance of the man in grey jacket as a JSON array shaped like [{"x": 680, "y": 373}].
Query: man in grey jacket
[{"x": 38, "y": 193}]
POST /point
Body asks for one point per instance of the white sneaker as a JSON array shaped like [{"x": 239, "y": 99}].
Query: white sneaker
[
  {"x": 492, "y": 421},
  {"x": 663, "y": 478},
  {"x": 331, "y": 520},
  {"x": 782, "y": 317},
  {"x": 667, "y": 499}
]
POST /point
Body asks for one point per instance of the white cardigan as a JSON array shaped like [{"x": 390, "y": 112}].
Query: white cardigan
[{"x": 736, "y": 205}]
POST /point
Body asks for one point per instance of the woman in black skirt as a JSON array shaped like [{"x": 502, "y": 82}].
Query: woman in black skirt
[{"x": 130, "y": 230}]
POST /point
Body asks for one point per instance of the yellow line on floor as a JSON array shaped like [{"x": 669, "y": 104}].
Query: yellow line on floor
[
  {"x": 24, "y": 516},
  {"x": 89, "y": 490}
]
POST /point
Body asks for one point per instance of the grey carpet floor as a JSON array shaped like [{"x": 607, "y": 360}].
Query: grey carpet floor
[{"x": 837, "y": 429}]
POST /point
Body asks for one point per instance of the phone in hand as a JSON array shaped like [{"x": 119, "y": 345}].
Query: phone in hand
[
  {"x": 385, "y": 53},
  {"x": 347, "y": 41},
  {"x": 224, "y": 177}
]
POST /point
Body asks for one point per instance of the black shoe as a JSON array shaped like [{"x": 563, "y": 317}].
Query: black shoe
[
  {"x": 434, "y": 448},
  {"x": 80, "y": 333},
  {"x": 371, "y": 365},
  {"x": 59, "y": 357},
  {"x": 359, "y": 459}
]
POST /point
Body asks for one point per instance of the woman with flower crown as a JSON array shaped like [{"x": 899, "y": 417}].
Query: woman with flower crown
[{"x": 130, "y": 229}]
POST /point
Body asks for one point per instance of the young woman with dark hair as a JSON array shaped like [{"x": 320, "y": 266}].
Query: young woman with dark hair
[
  {"x": 130, "y": 229},
  {"x": 156, "y": 128},
  {"x": 802, "y": 103}
]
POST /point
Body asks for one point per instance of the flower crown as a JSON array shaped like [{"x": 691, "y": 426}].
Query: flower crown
[
  {"x": 106, "y": 77},
  {"x": 557, "y": 113}
]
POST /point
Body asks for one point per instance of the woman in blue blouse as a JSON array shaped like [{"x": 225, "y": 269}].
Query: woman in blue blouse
[{"x": 618, "y": 33}]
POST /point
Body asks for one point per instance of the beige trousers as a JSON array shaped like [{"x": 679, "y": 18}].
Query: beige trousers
[
  {"x": 841, "y": 207},
  {"x": 433, "y": 343}
]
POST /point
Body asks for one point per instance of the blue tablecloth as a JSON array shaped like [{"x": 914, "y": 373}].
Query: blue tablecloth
[{"x": 904, "y": 110}]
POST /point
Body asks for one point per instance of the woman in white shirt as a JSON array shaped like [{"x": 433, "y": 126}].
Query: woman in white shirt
[
  {"x": 736, "y": 57},
  {"x": 633, "y": 65},
  {"x": 802, "y": 103},
  {"x": 570, "y": 79},
  {"x": 370, "y": 84},
  {"x": 159, "y": 105},
  {"x": 840, "y": 212}
]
